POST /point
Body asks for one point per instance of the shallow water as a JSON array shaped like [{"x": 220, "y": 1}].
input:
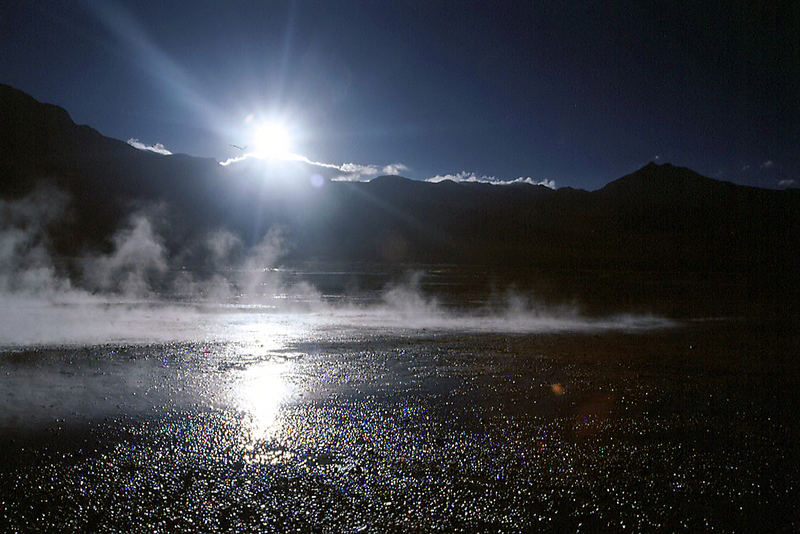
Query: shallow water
[{"x": 340, "y": 429}]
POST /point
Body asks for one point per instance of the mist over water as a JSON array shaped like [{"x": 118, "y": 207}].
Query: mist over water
[{"x": 141, "y": 292}]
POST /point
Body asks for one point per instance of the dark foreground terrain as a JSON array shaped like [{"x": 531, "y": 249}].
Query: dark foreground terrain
[{"x": 687, "y": 428}]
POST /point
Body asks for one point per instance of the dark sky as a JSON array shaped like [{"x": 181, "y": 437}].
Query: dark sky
[{"x": 580, "y": 92}]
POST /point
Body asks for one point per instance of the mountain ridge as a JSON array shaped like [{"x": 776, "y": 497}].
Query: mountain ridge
[{"x": 659, "y": 217}]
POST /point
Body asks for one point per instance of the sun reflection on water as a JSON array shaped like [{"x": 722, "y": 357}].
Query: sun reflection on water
[{"x": 260, "y": 394}]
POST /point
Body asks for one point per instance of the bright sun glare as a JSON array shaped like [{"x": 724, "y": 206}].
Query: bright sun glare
[{"x": 271, "y": 139}]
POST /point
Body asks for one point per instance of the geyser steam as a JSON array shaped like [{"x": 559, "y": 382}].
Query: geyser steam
[{"x": 140, "y": 291}]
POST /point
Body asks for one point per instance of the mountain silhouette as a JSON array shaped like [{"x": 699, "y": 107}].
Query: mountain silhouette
[{"x": 660, "y": 218}]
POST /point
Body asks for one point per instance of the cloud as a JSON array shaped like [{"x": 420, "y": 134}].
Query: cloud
[
  {"x": 358, "y": 170},
  {"x": 768, "y": 164},
  {"x": 394, "y": 168},
  {"x": 471, "y": 177},
  {"x": 785, "y": 183},
  {"x": 746, "y": 168},
  {"x": 158, "y": 148},
  {"x": 237, "y": 159},
  {"x": 345, "y": 172}
]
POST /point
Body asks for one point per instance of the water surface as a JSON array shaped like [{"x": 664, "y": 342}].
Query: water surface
[{"x": 297, "y": 425}]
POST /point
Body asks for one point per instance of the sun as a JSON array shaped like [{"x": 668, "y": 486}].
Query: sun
[{"x": 272, "y": 139}]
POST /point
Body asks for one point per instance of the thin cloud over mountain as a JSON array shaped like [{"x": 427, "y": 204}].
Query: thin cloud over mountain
[
  {"x": 158, "y": 148},
  {"x": 345, "y": 172},
  {"x": 471, "y": 177}
]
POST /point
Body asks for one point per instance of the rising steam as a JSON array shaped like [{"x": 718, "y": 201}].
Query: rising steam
[{"x": 141, "y": 292}]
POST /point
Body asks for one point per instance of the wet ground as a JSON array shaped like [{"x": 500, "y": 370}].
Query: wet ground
[{"x": 692, "y": 428}]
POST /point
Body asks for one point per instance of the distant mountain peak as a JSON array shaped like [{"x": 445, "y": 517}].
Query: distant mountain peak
[
  {"x": 653, "y": 164},
  {"x": 659, "y": 217},
  {"x": 662, "y": 180}
]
